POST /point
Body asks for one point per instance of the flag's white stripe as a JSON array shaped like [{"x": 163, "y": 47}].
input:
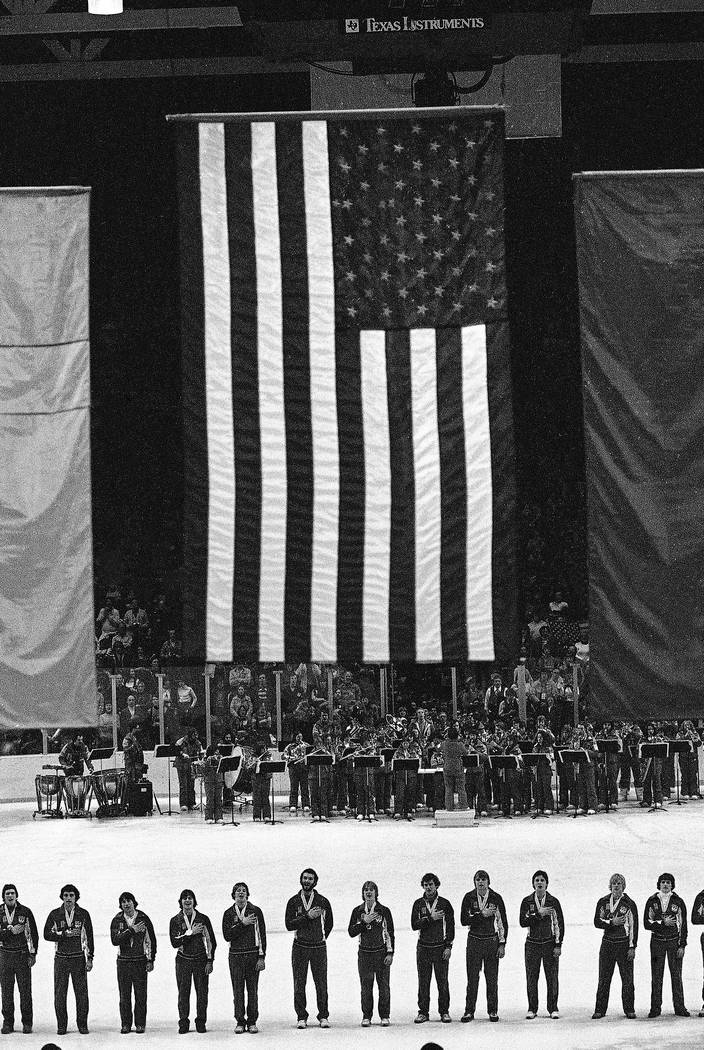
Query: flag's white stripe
[
  {"x": 271, "y": 392},
  {"x": 477, "y": 440},
  {"x": 377, "y": 498},
  {"x": 218, "y": 393},
  {"x": 426, "y": 461},
  {"x": 326, "y": 463}
]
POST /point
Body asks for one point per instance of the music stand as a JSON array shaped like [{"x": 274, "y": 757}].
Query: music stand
[
  {"x": 608, "y": 746},
  {"x": 317, "y": 761},
  {"x": 405, "y": 766},
  {"x": 228, "y": 765},
  {"x": 578, "y": 757},
  {"x": 101, "y": 754},
  {"x": 679, "y": 747},
  {"x": 270, "y": 767},
  {"x": 366, "y": 762},
  {"x": 167, "y": 751}
]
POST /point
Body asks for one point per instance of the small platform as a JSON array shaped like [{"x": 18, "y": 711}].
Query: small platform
[{"x": 455, "y": 818}]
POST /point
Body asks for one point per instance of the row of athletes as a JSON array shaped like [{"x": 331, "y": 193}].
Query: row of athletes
[
  {"x": 603, "y": 779},
  {"x": 309, "y": 916}
]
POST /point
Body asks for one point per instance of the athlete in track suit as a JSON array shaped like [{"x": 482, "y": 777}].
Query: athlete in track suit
[
  {"x": 71, "y": 929},
  {"x": 244, "y": 927},
  {"x": 484, "y": 912},
  {"x": 309, "y": 917},
  {"x": 541, "y": 915},
  {"x": 373, "y": 923},
  {"x": 132, "y": 933},
  {"x": 434, "y": 919},
  {"x": 191, "y": 933},
  {"x": 666, "y": 917},
  {"x": 617, "y": 915},
  {"x": 18, "y": 953},
  {"x": 698, "y": 920}
]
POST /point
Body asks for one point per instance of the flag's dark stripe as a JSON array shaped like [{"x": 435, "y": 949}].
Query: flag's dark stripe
[
  {"x": 503, "y": 460},
  {"x": 245, "y": 396},
  {"x": 195, "y": 511},
  {"x": 350, "y": 563},
  {"x": 299, "y": 438},
  {"x": 402, "y": 616},
  {"x": 453, "y": 497}
]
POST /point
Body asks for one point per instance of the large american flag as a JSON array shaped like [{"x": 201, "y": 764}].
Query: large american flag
[{"x": 347, "y": 396}]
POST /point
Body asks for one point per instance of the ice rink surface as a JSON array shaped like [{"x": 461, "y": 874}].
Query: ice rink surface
[{"x": 156, "y": 857}]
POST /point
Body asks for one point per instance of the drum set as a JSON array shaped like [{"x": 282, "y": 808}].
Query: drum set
[{"x": 64, "y": 796}]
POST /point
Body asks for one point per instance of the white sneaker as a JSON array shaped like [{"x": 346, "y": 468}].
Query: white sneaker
[
  {"x": 580, "y": 812},
  {"x": 252, "y": 1029},
  {"x": 324, "y": 1023},
  {"x": 219, "y": 821},
  {"x": 555, "y": 1015},
  {"x": 366, "y": 1023},
  {"x": 209, "y": 821},
  {"x": 360, "y": 817},
  {"x": 530, "y": 1016},
  {"x": 484, "y": 813},
  {"x": 302, "y": 1023},
  {"x": 590, "y": 812},
  {"x": 385, "y": 1022},
  {"x": 184, "y": 809},
  {"x": 292, "y": 810},
  {"x": 306, "y": 809},
  {"x": 373, "y": 816}
]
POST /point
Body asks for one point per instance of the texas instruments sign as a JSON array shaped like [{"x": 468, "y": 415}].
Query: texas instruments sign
[{"x": 407, "y": 24}]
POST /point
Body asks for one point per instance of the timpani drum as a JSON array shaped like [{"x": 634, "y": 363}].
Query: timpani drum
[
  {"x": 48, "y": 787},
  {"x": 77, "y": 792},
  {"x": 109, "y": 789}
]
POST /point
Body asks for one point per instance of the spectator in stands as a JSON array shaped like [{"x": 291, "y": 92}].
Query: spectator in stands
[
  {"x": 240, "y": 700},
  {"x": 122, "y": 645},
  {"x": 558, "y": 605},
  {"x": 171, "y": 650},
  {"x": 186, "y": 703},
  {"x": 130, "y": 715},
  {"x": 108, "y": 621}
]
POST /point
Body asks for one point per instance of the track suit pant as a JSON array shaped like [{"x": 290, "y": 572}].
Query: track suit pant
[
  {"x": 14, "y": 966},
  {"x": 303, "y": 956},
  {"x": 429, "y": 960},
  {"x": 188, "y": 970},
  {"x": 245, "y": 977},
  {"x": 454, "y": 783},
  {"x": 132, "y": 974},
  {"x": 612, "y": 954},
  {"x": 538, "y": 952},
  {"x": 371, "y": 965},
  {"x": 73, "y": 967},
  {"x": 482, "y": 951},
  {"x": 298, "y": 781},
  {"x": 660, "y": 949}
]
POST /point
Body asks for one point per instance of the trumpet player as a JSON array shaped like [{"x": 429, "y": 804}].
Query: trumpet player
[
  {"x": 364, "y": 778},
  {"x": 261, "y": 783},
  {"x": 319, "y": 782},
  {"x": 294, "y": 755},
  {"x": 213, "y": 784}
]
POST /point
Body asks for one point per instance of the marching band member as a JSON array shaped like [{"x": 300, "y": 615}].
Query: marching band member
[
  {"x": 435, "y": 784},
  {"x": 511, "y": 779},
  {"x": 373, "y": 923},
  {"x": 405, "y": 781},
  {"x": 213, "y": 785},
  {"x": 132, "y": 933},
  {"x": 434, "y": 918},
  {"x": 666, "y": 917},
  {"x": 309, "y": 917},
  {"x": 630, "y": 762},
  {"x": 244, "y": 927},
  {"x": 452, "y": 750},
  {"x": 543, "y": 745},
  {"x": 133, "y": 756},
  {"x": 261, "y": 784},
  {"x": 475, "y": 776},
  {"x": 74, "y": 755},
  {"x": 71, "y": 929},
  {"x": 383, "y": 775},
  {"x": 294, "y": 755},
  {"x": 191, "y": 934},
  {"x": 582, "y": 740},
  {"x": 689, "y": 761},
  {"x": 541, "y": 915},
  {"x": 484, "y": 912},
  {"x": 651, "y": 772},
  {"x": 612, "y": 762},
  {"x": 319, "y": 780},
  {"x": 617, "y": 916},
  {"x": 189, "y": 748},
  {"x": 18, "y": 954},
  {"x": 364, "y": 779}
]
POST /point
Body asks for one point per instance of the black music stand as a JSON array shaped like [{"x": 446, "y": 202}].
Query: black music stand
[
  {"x": 608, "y": 746},
  {"x": 101, "y": 754},
  {"x": 578, "y": 758},
  {"x": 270, "y": 767},
  {"x": 317, "y": 761},
  {"x": 166, "y": 751},
  {"x": 367, "y": 762},
  {"x": 405, "y": 766},
  {"x": 229, "y": 764},
  {"x": 679, "y": 747}
]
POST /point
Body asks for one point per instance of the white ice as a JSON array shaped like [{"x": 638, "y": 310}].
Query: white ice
[{"x": 156, "y": 857}]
